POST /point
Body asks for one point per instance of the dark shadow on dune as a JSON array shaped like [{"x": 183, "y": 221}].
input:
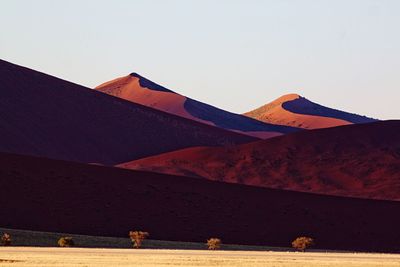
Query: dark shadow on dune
[
  {"x": 228, "y": 120},
  {"x": 58, "y": 196},
  {"x": 149, "y": 84},
  {"x": 306, "y": 107},
  {"x": 45, "y": 116}
]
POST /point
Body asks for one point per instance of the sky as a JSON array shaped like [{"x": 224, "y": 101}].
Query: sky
[{"x": 236, "y": 55}]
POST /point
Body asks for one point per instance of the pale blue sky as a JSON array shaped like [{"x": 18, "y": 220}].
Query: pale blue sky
[{"x": 236, "y": 55}]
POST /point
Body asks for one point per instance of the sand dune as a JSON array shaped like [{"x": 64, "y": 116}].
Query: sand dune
[
  {"x": 297, "y": 111},
  {"x": 356, "y": 160},
  {"x": 46, "y": 116},
  {"x": 57, "y": 196},
  {"x": 138, "y": 89}
]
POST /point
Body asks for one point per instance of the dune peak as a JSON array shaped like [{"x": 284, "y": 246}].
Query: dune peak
[
  {"x": 135, "y": 74},
  {"x": 287, "y": 97}
]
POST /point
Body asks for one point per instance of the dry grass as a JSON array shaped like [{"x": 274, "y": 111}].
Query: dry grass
[
  {"x": 35, "y": 257},
  {"x": 48, "y": 239},
  {"x": 167, "y": 253}
]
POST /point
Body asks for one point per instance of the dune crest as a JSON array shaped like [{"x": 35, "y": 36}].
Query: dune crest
[
  {"x": 360, "y": 160},
  {"x": 129, "y": 88},
  {"x": 45, "y": 116},
  {"x": 297, "y": 111},
  {"x": 138, "y": 89}
]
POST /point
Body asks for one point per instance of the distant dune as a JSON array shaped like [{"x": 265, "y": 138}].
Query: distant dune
[
  {"x": 58, "y": 196},
  {"x": 297, "y": 111},
  {"x": 46, "y": 116},
  {"x": 138, "y": 89},
  {"x": 356, "y": 160}
]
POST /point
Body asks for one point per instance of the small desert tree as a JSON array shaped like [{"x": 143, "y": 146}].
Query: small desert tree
[
  {"x": 6, "y": 239},
  {"x": 214, "y": 243},
  {"x": 66, "y": 241},
  {"x": 137, "y": 238},
  {"x": 302, "y": 243}
]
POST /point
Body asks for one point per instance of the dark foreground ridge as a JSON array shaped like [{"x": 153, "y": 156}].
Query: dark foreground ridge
[
  {"x": 45, "y": 116},
  {"x": 50, "y": 195}
]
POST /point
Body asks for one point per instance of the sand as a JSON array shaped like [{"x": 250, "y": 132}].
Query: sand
[
  {"x": 31, "y": 256},
  {"x": 274, "y": 113}
]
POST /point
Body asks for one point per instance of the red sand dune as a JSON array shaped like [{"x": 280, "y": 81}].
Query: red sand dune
[
  {"x": 46, "y": 116},
  {"x": 361, "y": 160},
  {"x": 138, "y": 89},
  {"x": 294, "y": 110},
  {"x": 129, "y": 88},
  {"x": 51, "y": 195}
]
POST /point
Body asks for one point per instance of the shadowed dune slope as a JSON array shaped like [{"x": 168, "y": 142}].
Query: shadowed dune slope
[
  {"x": 138, "y": 89},
  {"x": 46, "y": 116},
  {"x": 360, "y": 160},
  {"x": 50, "y": 195},
  {"x": 297, "y": 111}
]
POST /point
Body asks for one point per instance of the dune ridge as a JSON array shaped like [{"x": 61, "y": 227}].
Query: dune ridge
[
  {"x": 359, "y": 160},
  {"x": 297, "y": 111},
  {"x": 138, "y": 89}
]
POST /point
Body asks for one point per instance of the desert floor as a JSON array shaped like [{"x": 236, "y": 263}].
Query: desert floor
[{"x": 34, "y": 256}]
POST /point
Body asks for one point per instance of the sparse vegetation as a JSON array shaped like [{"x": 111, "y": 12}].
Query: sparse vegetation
[
  {"x": 66, "y": 241},
  {"x": 6, "y": 239},
  {"x": 214, "y": 243},
  {"x": 137, "y": 238},
  {"x": 28, "y": 238},
  {"x": 302, "y": 243}
]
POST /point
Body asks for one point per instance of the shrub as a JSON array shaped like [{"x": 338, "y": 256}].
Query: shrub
[
  {"x": 137, "y": 238},
  {"x": 214, "y": 243},
  {"x": 302, "y": 243},
  {"x": 6, "y": 239},
  {"x": 66, "y": 241}
]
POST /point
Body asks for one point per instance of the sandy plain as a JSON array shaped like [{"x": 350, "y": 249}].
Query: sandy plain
[{"x": 35, "y": 257}]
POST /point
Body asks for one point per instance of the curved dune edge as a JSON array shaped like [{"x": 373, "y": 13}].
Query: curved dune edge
[
  {"x": 173, "y": 162},
  {"x": 274, "y": 113},
  {"x": 129, "y": 88},
  {"x": 108, "y": 201},
  {"x": 344, "y": 161},
  {"x": 44, "y": 116},
  {"x": 259, "y": 134}
]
